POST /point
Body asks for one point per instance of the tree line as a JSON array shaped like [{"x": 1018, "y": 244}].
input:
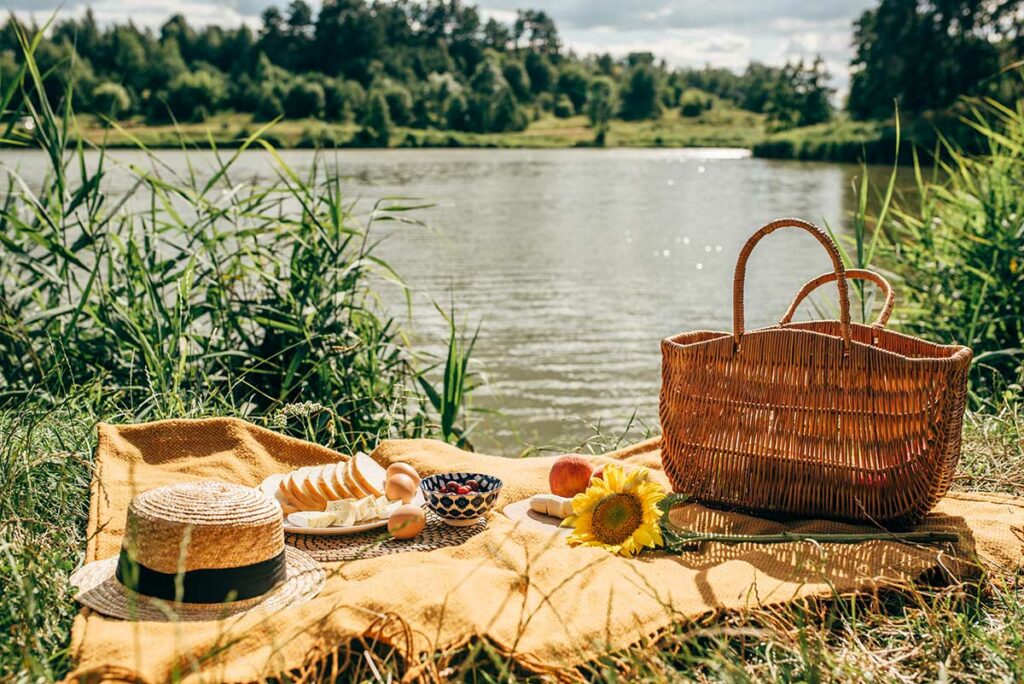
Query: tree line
[
  {"x": 384, "y": 63},
  {"x": 439, "y": 64}
]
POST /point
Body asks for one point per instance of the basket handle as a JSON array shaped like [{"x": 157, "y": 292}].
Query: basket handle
[
  {"x": 854, "y": 273},
  {"x": 837, "y": 264}
]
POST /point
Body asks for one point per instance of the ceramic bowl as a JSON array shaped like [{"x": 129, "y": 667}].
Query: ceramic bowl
[{"x": 460, "y": 509}]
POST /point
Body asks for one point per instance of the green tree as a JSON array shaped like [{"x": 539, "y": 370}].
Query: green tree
[
  {"x": 355, "y": 95},
  {"x": 518, "y": 80},
  {"x": 192, "y": 96},
  {"x": 377, "y": 122},
  {"x": 572, "y": 82},
  {"x": 563, "y": 107},
  {"x": 336, "y": 106},
  {"x": 639, "y": 93},
  {"x": 110, "y": 100},
  {"x": 507, "y": 115},
  {"x": 539, "y": 30},
  {"x": 926, "y": 54},
  {"x": 455, "y": 112},
  {"x": 542, "y": 74},
  {"x": 800, "y": 96},
  {"x": 496, "y": 35},
  {"x": 694, "y": 102},
  {"x": 758, "y": 80},
  {"x": 600, "y": 106},
  {"x": 399, "y": 103},
  {"x": 305, "y": 99}
]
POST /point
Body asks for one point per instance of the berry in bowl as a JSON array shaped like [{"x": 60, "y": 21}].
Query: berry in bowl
[{"x": 460, "y": 498}]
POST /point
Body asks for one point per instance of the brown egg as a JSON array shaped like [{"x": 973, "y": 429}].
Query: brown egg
[
  {"x": 407, "y": 521},
  {"x": 400, "y": 487},
  {"x": 404, "y": 469}
]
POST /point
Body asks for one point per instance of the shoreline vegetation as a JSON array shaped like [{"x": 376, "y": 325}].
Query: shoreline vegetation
[
  {"x": 390, "y": 73},
  {"x": 716, "y": 128},
  {"x": 839, "y": 141}
]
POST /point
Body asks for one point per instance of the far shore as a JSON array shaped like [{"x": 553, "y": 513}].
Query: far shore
[{"x": 839, "y": 141}]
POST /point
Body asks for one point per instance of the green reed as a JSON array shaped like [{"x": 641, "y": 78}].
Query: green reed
[
  {"x": 204, "y": 288},
  {"x": 954, "y": 249},
  {"x": 959, "y": 250}
]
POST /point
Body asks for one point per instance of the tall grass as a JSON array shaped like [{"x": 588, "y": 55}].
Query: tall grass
[
  {"x": 191, "y": 293},
  {"x": 955, "y": 249},
  {"x": 199, "y": 287},
  {"x": 959, "y": 250}
]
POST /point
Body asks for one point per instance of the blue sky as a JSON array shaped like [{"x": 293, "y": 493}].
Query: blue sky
[{"x": 725, "y": 33}]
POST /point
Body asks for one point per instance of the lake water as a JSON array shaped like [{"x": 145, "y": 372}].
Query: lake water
[{"x": 577, "y": 262}]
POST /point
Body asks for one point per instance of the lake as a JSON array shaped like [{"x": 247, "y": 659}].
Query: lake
[{"x": 576, "y": 263}]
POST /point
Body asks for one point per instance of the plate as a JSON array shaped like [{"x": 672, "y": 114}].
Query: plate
[
  {"x": 520, "y": 512},
  {"x": 269, "y": 486}
]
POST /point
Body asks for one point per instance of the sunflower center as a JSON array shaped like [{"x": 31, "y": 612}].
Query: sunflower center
[{"x": 616, "y": 517}]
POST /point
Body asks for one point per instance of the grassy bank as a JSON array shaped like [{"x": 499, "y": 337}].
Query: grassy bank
[
  {"x": 872, "y": 142},
  {"x": 961, "y": 633},
  {"x": 723, "y": 126}
]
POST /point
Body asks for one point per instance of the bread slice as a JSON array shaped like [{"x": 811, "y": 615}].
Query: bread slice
[
  {"x": 368, "y": 474},
  {"x": 282, "y": 494},
  {"x": 323, "y": 481},
  {"x": 293, "y": 484},
  {"x": 287, "y": 505},
  {"x": 307, "y": 484},
  {"x": 339, "y": 481},
  {"x": 351, "y": 483}
]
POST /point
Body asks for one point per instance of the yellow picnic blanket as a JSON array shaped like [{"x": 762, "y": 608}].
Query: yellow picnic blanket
[{"x": 541, "y": 603}]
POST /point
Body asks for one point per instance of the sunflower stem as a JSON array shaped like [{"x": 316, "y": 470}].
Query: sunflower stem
[{"x": 679, "y": 541}]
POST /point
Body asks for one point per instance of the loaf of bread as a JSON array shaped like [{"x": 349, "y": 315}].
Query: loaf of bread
[{"x": 311, "y": 487}]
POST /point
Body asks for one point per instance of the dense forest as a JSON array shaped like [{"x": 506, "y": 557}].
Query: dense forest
[{"x": 440, "y": 65}]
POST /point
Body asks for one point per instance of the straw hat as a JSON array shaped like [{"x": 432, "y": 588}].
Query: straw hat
[{"x": 217, "y": 547}]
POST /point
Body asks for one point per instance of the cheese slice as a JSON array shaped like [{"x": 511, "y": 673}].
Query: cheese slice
[
  {"x": 385, "y": 508},
  {"x": 552, "y": 505},
  {"x": 368, "y": 474},
  {"x": 346, "y": 512},
  {"x": 365, "y": 509},
  {"x": 311, "y": 519}
]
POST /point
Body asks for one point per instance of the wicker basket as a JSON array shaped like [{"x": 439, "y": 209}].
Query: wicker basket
[{"x": 827, "y": 418}]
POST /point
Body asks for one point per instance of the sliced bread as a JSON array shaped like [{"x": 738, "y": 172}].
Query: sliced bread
[
  {"x": 351, "y": 483},
  {"x": 307, "y": 484},
  {"x": 339, "y": 481},
  {"x": 368, "y": 474},
  {"x": 324, "y": 482}
]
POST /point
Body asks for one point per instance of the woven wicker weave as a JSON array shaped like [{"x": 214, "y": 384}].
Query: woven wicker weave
[{"x": 827, "y": 418}]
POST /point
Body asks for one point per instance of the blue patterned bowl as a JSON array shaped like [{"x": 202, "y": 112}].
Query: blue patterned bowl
[{"x": 460, "y": 509}]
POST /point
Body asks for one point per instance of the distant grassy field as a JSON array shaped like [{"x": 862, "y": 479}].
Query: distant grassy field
[
  {"x": 874, "y": 142},
  {"x": 719, "y": 127}
]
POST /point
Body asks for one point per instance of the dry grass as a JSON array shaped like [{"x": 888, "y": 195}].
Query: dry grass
[{"x": 967, "y": 632}]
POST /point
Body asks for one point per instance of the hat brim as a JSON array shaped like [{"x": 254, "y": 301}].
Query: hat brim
[{"x": 100, "y": 590}]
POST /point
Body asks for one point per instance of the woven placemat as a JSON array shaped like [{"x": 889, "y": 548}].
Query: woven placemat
[{"x": 374, "y": 543}]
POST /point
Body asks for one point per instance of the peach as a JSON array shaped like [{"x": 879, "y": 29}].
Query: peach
[{"x": 570, "y": 475}]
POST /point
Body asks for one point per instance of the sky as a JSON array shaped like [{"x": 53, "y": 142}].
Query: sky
[{"x": 725, "y": 33}]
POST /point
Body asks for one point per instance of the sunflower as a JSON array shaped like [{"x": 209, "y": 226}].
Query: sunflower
[{"x": 618, "y": 512}]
